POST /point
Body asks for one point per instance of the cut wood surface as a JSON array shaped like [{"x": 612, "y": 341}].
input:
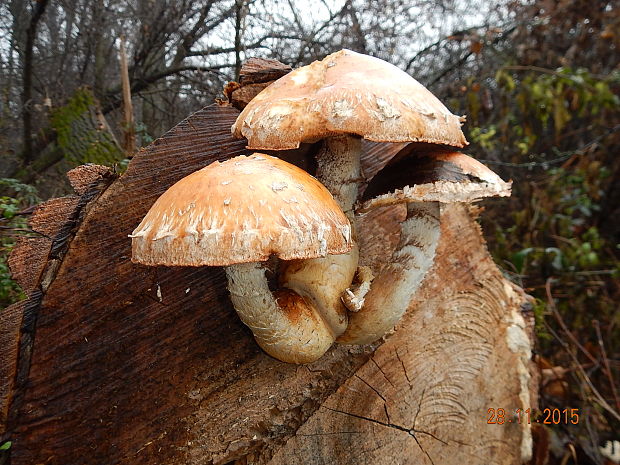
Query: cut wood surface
[{"x": 138, "y": 365}]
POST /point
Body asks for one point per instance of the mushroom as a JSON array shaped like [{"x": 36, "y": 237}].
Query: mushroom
[
  {"x": 341, "y": 99},
  {"x": 436, "y": 177},
  {"x": 237, "y": 214}
]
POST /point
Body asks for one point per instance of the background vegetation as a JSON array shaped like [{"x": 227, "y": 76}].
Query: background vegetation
[{"x": 538, "y": 80}]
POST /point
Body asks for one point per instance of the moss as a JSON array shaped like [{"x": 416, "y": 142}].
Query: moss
[{"x": 81, "y": 132}]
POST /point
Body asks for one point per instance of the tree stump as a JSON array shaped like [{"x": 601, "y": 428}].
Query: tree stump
[{"x": 111, "y": 362}]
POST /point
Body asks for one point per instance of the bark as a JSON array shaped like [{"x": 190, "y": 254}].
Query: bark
[
  {"x": 112, "y": 362},
  {"x": 87, "y": 137},
  {"x": 254, "y": 76},
  {"x": 31, "y": 34}
]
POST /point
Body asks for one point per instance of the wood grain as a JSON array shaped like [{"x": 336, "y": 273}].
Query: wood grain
[
  {"x": 10, "y": 322},
  {"x": 423, "y": 396},
  {"x": 118, "y": 375}
]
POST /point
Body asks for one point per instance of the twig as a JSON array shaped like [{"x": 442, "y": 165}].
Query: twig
[
  {"x": 586, "y": 378},
  {"x": 563, "y": 155},
  {"x": 558, "y": 317},
  {"x": 562, "y": 239},
  {"x": 592, "y": 272},
  {"x": 599, "y": 398},
  {"x": 597, "y": 328},
  {"x": 538, "y": 69},
  {"x": 23, "y": 230}
]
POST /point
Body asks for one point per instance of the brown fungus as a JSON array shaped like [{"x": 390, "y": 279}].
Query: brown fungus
[
  {"x": 237, "y": 214},
  {"x": 434, "y": 178},
  {"x": 341, "y": 99}
]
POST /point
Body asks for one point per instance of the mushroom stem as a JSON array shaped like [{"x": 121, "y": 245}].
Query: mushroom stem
[
  {"x": 392, "y": 290},
  {"x": 339, "y": 170},
  {"x": 299, "y": 322},
  {"x": 286, "y": 325},
  {"x": 322, "y": 281}
]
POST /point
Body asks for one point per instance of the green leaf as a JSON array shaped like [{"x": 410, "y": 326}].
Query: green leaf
[{"x": 518, "y": 259}]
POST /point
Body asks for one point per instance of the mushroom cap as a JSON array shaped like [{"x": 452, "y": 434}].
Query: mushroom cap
[
  {"x": 346, "y": 93},
  {"x": 242, "y": 210},
  {"x": 437, "y": 177}
]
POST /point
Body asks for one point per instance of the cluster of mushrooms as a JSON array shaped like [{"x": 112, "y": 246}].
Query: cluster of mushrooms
[{"x": 242, "y": 212}]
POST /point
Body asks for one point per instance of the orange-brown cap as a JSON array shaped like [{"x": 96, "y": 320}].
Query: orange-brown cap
[
  {"x": 443, "y": 176},
  {"x": 241, "y": 210},
  {"x": 346, "y": 93}
]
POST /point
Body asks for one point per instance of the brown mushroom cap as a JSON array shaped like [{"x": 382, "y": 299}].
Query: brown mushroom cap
[
  {"x": 435, "y": 177},
  {"x": 346, "y": 93},
  {"x": 241, "y": 210}
]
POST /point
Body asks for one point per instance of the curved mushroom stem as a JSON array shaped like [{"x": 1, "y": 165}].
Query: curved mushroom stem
[
  {"x": 322, "y": 281},
  {"x": 392, "y": 290},
  {"x": 299, "y": 322},
  {"x": 339, "y": 169},
  {"x": 296, "y": 324}
]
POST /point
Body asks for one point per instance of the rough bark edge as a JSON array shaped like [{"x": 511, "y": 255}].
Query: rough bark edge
[
  {"x": 10, "y": 322},
  {"x": 256, "y": 74},
  {"x": 14, "y": 385},
  {"x": 28, "y": 258}
]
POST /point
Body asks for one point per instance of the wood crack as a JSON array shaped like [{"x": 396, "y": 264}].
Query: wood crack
[
  {"x": 403, "y": 365},
  {"x": 410, "y": 431},
  {"x": 382, "y": 372}
]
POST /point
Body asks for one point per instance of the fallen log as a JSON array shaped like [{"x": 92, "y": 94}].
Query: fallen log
[{"x": 112, "y": 362}]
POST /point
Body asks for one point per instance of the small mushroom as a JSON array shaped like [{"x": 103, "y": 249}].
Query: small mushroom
[
  {"x": 440, "y": 177},
  {"x": 237, "y": 214},
  {"x": 341, "y": 99}
]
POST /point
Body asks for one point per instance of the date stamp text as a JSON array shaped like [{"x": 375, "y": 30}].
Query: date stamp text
[{"x": 547, "y": 416}]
